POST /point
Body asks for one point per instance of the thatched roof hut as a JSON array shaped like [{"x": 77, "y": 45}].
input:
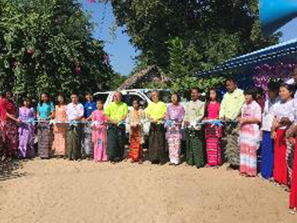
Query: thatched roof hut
[{"x": 150, "y": 74}]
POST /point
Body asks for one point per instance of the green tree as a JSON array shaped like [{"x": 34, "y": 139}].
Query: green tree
[
  {"x": 47, "y": 45},
  {"x": 118, "y": 79},
  {"x": 152, "y": 24},
  {"x": 186, "y": 36}
]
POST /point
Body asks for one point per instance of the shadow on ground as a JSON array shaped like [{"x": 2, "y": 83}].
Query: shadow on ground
[{"x": 8, "y": 169}]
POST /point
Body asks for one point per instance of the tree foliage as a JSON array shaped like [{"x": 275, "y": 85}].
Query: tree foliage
[
  {"x": 186, "y": 36},
  {"x": 47, "y": 45}
]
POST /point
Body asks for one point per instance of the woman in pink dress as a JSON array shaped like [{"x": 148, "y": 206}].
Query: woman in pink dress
[
  {"x": 251, "y": 114},
  {"x": 60, "y": 129},
  {"x": 213, "y": 132},
  {"x": 99, "y": 133}
]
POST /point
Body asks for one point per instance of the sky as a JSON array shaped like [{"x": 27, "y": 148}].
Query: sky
[{"x": 121, "y": 52}]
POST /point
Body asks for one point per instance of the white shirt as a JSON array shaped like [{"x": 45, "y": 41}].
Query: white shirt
[
  {"x": 295, "y": 107},
  {"x": 290, "y": 81},
  {"x": 194, "y": 112},
  {"x": 281, "y": 110},
  {"x": 267, "y": 118},
  {"x": 74, "y": 111}
]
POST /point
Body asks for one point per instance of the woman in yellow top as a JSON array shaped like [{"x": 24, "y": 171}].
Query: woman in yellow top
[
  {"x": 116, "y": 113},
  {"x": 155, "y": 112}
]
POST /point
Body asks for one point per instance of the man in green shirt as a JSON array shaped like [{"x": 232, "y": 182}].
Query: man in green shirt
[
  {"x": 230, "y": 110},
  {"x": 116, "y": 112}
]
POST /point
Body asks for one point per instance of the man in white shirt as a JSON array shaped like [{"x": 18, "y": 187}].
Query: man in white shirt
[
  {"x": 195, "y": 138},
  {"x": 75, "y": 113}
]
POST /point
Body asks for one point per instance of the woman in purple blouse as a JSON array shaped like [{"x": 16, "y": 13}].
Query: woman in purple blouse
[
  {"x": 174, "y": 117},
  {"x": 26, "y": 130}
]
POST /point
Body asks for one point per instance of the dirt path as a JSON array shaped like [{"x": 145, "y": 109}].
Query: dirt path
[{"x": 59, "y": 191}]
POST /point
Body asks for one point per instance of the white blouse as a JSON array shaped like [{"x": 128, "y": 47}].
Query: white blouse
[
  {"x": 295, "y": 107},
  {"x": 267, "y": 118},
  {"x": 284, "y": 110}
]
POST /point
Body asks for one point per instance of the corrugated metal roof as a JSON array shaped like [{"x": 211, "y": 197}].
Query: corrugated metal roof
[{"x": 272, "y": 53}]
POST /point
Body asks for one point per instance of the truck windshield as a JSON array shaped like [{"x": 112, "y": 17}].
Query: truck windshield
[{"x": 164, "y": 96}]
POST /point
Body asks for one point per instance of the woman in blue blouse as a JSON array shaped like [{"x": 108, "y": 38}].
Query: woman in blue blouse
[{"x": 45, "y": 111}]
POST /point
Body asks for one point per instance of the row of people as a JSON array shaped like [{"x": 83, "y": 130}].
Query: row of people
[
  {"x": 175, "y": 115},
  {"x": 246, "y": 125},
  {"x": 71, "y": 136}
]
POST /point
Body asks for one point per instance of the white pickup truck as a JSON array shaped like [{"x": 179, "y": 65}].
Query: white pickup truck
[{"x": 142, "y": 95}]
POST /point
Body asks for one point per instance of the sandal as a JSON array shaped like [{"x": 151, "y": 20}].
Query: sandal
[{"x": 293, "y": 211}]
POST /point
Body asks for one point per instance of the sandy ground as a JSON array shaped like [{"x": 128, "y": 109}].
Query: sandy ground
[{"x": 60, "y": 191}]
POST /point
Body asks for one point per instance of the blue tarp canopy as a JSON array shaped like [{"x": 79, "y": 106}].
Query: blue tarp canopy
[
  {"x": 276, "y": 13},
  {"x": 274, "y": 53}
]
